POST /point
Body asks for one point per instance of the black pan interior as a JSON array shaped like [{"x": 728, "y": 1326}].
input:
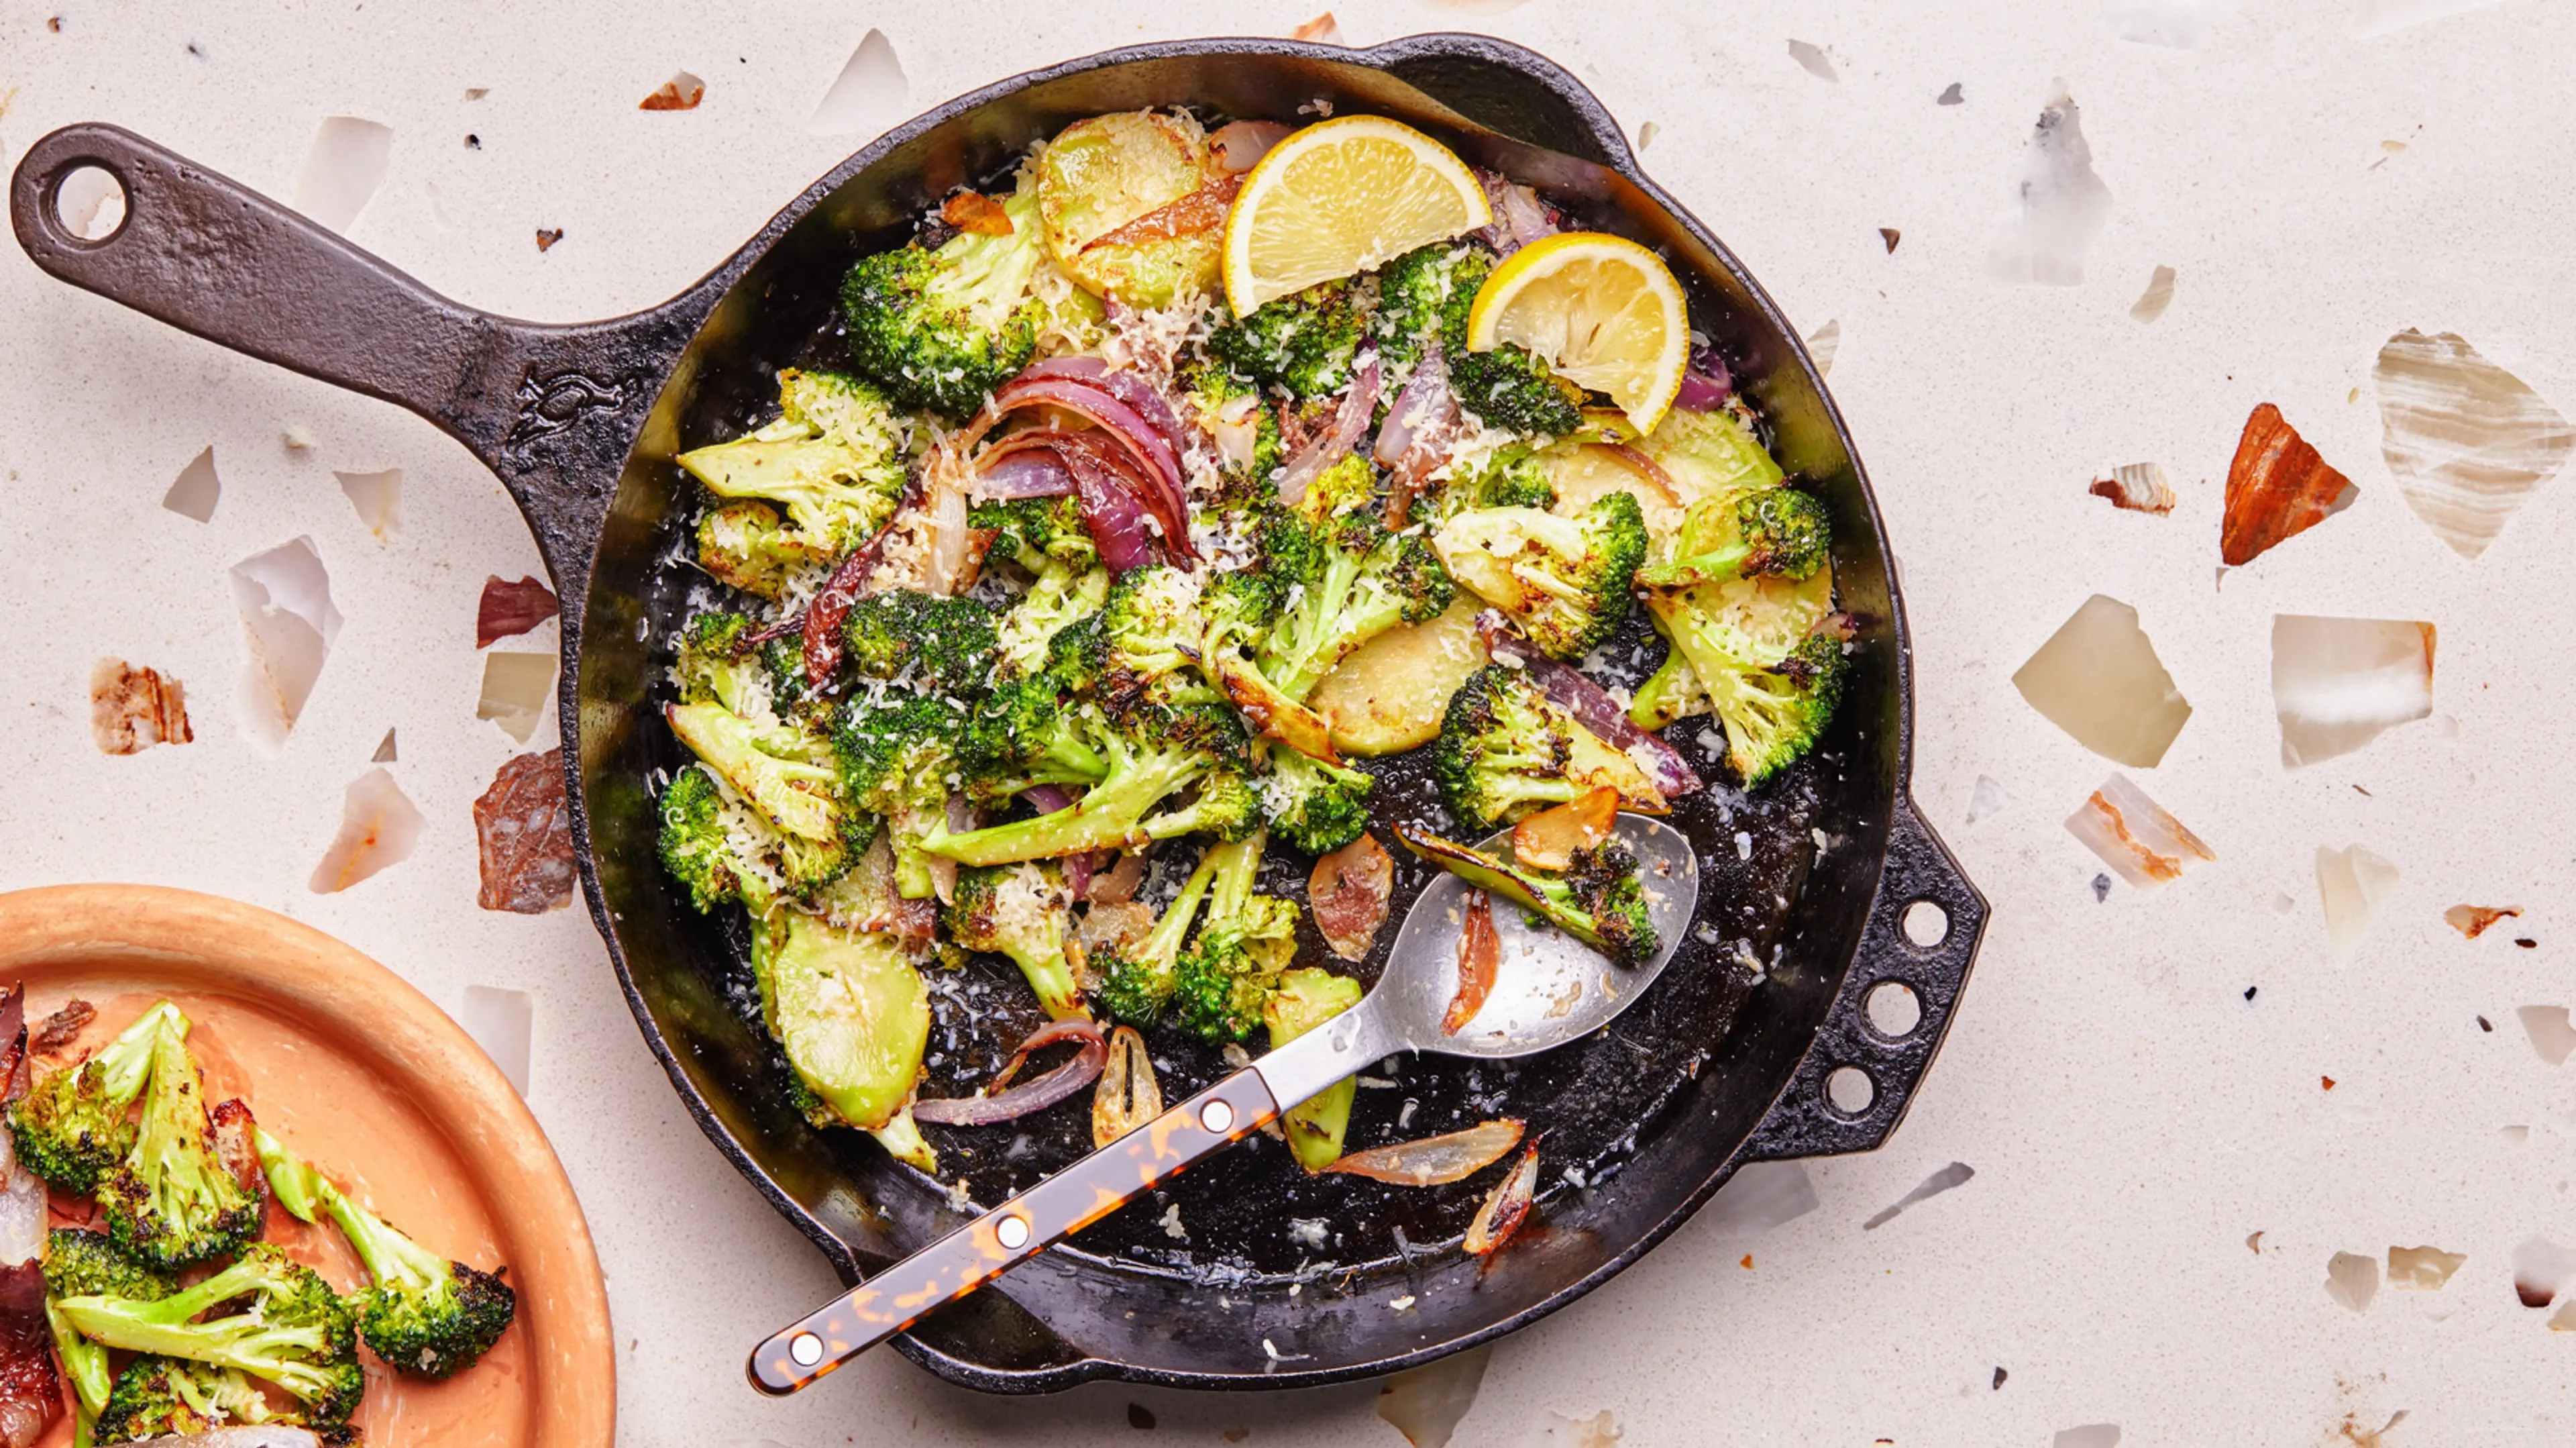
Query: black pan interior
[{"x": 1639, "y": 1121}]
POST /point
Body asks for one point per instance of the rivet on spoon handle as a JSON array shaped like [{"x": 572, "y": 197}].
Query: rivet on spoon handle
[{"x": 1012, "y": 1233}]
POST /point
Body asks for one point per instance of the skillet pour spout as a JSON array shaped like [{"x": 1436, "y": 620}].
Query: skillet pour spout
[{"x": 1712, "y": 1068}]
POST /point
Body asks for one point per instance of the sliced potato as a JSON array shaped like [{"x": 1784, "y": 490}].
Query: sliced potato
[
  {"x": 1098, "y": 175},
  {"x": 1388, "y": 696}
]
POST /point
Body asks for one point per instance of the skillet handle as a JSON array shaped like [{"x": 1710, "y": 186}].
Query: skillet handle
[
  {"x": 1805, "y": 1121},
  {"x": 551, "y": 409},
  {"x": 1083, "y": 1193},
  {"x": 1518, "y": 92}
]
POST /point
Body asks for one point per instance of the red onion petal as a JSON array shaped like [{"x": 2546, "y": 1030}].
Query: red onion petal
[
  {"x": 1116, "y": 502},
  {"x": 1706, "y": 384},
  {"x": 831, "y": 606},
  {"x": 1092, "y": 400},
  {"x": 1028, "y": 1096},
  {"x": 1349, "y": 423},
  {"x": 1008, "y": 473},
  {"x": 1240, "y": 145},
  {"x": 1128, "y": 386},
  {"x": 1569, "y": 690}
]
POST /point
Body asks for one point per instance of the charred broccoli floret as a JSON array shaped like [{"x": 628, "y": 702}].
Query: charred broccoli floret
[
  {"x": 1424, "y": 295},
  {"x": 1020, "y": 911},
  {"x": 1145, "y": 650},
  {"x": 1057, "y": 600},
  {"x": 898, "y": 760},
  {"x": 1514, "y": 389},
  {"x": 1512, "y": 477},
  {"x": 947, "y": 643},
  {"x": 424, "y": 1314},
  {"x": 1778, "y": 532},
  {"x": 1037, "y": 532},
  {"x": 1598, "y": 899},
  {"x": 71, "y": 1127},
  {"x": 801, "y": 828},
  {"x": 1563, "y": 581},
  {"x": 158, "y": 1397},
  {"x": 1238, "y": 610},
  {"x": 803, "y": 490},
  {"x": 170, "y": 1203},
  {"x": 1312, "y": 805},
  {"x": 1344, "y": 581},
  {"x": 80, "y": 1263},
  {"x": 1505, "y": 751},
  {"x": 1136, "y": 981},
  {"x": 1154, "y": 759},
  {"x": 1025, "y": 733},
  {"x": 295, "y": 1332},
  {"x": 1304, "y": 999},
  {"x": 1222, "y": 982},
  {"x": 696, "y": 847},
  {"x": 942, "y": 329},
  {"x": 1774, "y": 709},
  {"x": 1302, "y": 344}
]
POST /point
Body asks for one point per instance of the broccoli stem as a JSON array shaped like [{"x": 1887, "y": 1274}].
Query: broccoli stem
[{"x": 1108, "y": 817}]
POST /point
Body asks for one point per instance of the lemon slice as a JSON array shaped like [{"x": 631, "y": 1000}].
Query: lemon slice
[
  {"x": 1601, "y": 310},
  {"x": 1338, "y": 198}
]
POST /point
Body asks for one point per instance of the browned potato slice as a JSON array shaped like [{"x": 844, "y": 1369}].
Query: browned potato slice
[{"x": 1388, "y": 696}]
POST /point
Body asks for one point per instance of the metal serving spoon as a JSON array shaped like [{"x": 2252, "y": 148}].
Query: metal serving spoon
[{"x": 1550, "y": 989}]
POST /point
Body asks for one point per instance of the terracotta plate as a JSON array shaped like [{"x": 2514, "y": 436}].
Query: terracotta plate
[{"x": 357, "y": 1070}]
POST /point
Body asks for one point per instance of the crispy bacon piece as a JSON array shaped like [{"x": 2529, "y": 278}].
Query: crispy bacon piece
[
  {"x": 1348, "y": 891},
  {"x": 2277, "y": 487},
  {"x": 31, "y": 1395},
  {"x": 63, "y": 1026},
  {"x": 1480, "y": 955},
  {"x": 132, "y": 709},
  {"x": 524, "y": 829},
  {"x": 976, "y": 212},
  {"x": 511, "y": 609}
]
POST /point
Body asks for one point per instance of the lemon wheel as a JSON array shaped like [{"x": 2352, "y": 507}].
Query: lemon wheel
[
  {"x": 1338, "y": 198},
  {"x": 1600, "y": 309}
]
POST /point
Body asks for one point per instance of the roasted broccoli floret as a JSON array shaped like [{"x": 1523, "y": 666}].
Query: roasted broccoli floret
[
  {"x": 786, "y": 776},
  {"x": 80, "y": 1263},
  {"x": 1774, "y": 709},
  {"x": 1344, "y": 581},
  {"x": 1025, "y": 733},
  {"x": 1304, "y": 999},
  {"x": 1598, "y": 898},
  {"x": 1312, "y": 805},
  {"x": 1021, "y": 911},
  {"x": 295, "y": 1332},
  {"x": 1221, "y": 983},
  {"x": 1145, "y": 650},
  {"x": 803, "y": 490},
  {"x": 899, "y": 761},
  {"x": 1302, "y": 344},
  {"x": 1037, "y": 532},
  {"x": 1505, "y": 751},
  {"x": 696, "y": 848},
  {"x": 1563, "y": 581},
  {"x": 947, "y": 643},
  {"x": 71, "y": 1127},
  {"x": 170, "y": 1203},
  {"x": 1425, "y": 294},
  {"x": 1154, "y": 758},
  {"x": 1057, "y": 600},
  {"x": 1779, "y": 532},
  {"x": 157, "y": 1397},
  {"x": 1512, "y": 388},
  {"x": 1511, "y": 477},
  {"x": 424, "y": 1314},
  {"x": 852, "y": 1017},
  {"x": 1136, "y": 981},
  {"x": 942, "y": 329},
  {"x": 1348, "y": 486},
  {"x": 1239, "y": 609},
  {"x": 746, "y": 545}
]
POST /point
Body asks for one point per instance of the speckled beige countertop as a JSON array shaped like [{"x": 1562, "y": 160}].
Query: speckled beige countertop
[{"x": 2130, "y": 1115}]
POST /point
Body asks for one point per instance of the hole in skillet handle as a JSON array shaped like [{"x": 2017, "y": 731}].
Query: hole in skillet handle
[
  {"x": 1892, "y": 1009},
  {"x": 1850, "y": 1091},
  {"x": 85, "y": 202}
]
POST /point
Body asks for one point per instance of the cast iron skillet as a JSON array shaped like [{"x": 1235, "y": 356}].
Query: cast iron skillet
[{"x": 1652, "y": 1114}]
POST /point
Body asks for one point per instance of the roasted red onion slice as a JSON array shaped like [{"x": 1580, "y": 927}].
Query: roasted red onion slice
[
  {"x": 1112, "y": 508},
  {"x": 824, "y": 616},
  {"x": 1126, "y": 385},
  {"x": 1239, "y": 146},
  {"x": 1414, "y": 440},
  {"x": 1567, "y": 689},
  {"x": 1092, "y": 400},
  {"x": 1706, "y": 385},
  {"x": 31, "y": 1394},
  {"x": 1037, "y": 1095},
  {"x": 1350, "y": 423},
  {"x": 1007, "y": 473}
]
